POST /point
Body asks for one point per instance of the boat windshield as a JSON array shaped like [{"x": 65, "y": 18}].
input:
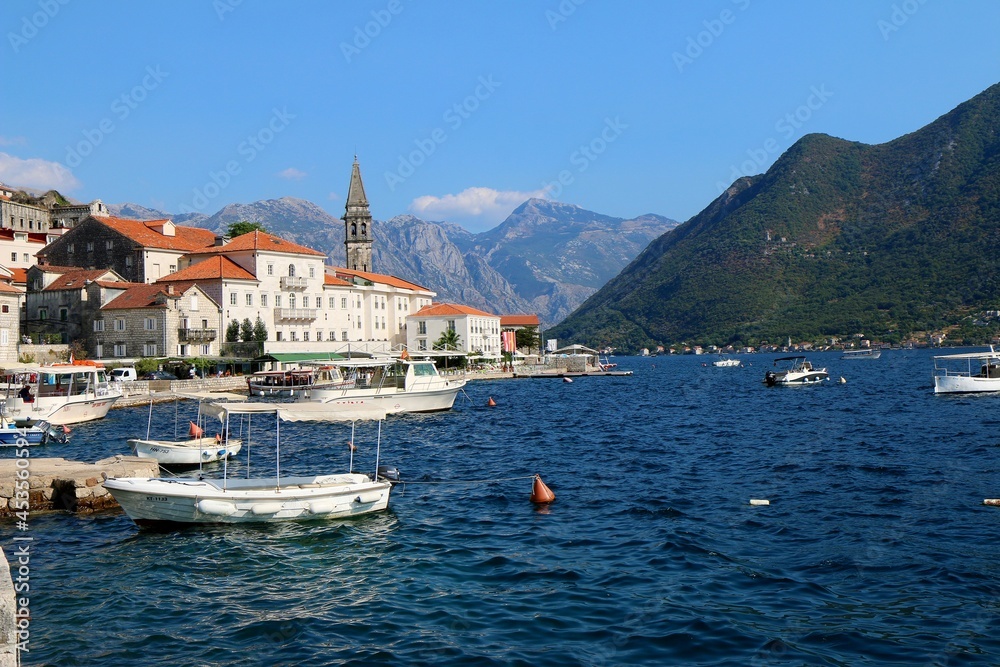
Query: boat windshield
[{"x": 422, "y": 369}]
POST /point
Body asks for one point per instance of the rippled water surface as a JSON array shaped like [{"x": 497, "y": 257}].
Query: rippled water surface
[{"x": 875, "y": 549}]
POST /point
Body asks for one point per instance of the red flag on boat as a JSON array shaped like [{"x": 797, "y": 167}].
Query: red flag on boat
[{"x": 196, "y": 431}]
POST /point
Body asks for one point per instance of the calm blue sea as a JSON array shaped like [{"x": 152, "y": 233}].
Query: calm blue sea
[{"x": 875, "y": 549}]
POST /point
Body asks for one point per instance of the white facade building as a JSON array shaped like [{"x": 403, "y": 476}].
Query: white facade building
[{"x": 478, "y": 331}]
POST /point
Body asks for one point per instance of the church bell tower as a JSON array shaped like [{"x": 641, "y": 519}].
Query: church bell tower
[{"x": 357, "y": 224}]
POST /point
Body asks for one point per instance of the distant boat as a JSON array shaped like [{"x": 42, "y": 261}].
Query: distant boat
[
  {"x": 867, "y": 353},
  {"x": 797, "y": 371},
  {"x": 726, "y": 362},
  {"x": 967, "y": 373}
]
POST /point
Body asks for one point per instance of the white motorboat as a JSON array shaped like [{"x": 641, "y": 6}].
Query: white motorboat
[
  {"x": 794, "y": 371},
  {"x": 726, "y": 362},
  {"x": 59, "y": 394},
  {"x": 396, "y": 385},
  {"x": 39, "y": 433},
  {"x": 864, "y": 353},
  {"x": 967, "y": 372},
  {"x": 280, "y": 384},
  {"x": 193, "y": 451},
  {"x": 179, "y": 500}
]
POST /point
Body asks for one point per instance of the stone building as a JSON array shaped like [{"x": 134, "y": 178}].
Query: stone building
[
  {"x": 156, "y": 321},
  {"x": 10, "y": 321},
  {"x": 62, "y": 301},
  {"x": 140, "y": 251},
  {"x": 478, "y": 331}
]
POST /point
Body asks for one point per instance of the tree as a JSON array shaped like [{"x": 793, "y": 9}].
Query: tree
[
  {"x": 233, "y": 332},
  {"x": 259, "y": 331},
  {"x": 449, "y": 340},
  {"x": 246, "y": 330},
  {"x": 243, "y": 227},
  {"x": 527, "y": 338}
]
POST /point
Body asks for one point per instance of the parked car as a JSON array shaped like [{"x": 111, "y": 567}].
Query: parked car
[
  {"x": 124, "y": 374},
  {"x": 159, "y": 375}
]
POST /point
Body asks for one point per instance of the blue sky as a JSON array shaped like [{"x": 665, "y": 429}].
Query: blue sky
[{"x": 461, "y": 110}]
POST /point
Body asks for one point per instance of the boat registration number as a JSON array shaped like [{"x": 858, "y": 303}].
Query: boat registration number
[{"x": 157, "y": 499}]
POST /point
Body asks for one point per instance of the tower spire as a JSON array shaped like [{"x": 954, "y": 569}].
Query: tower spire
[{"x": 357, "y": 224}]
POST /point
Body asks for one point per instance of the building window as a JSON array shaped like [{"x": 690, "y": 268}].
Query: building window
[
  {"x": 128, "y": 261},
  {"x": 263, "y": 301},
  {"x": 194, "y": 302},
  {"x": 305, "y": 336},
  {"x": 70, "y": 248},
  {"x": 90, "y": 246},
  {"x": 119, "y": 349},
  {"x": 291, "y": 302},
  {"x": 13, "y": 256},
  {"x": 343, "y": 303},
  {"x": 109, "y": 245},
  {"x": 149, "y": 349},
  {"x": 291, "y": 270},
  {"x": 249, "y": 298},
  {"x": 421, "y": 343},
  {"x": 278, "y": 336},
  {"x": 451, "y": 325},
  {"x": 24, "y": 257},
  {"x": 120, "y": 324},
  {"x": 4, "y": 308},
  {"x": 43, "y": 314},
  {"x": 294, "y": 335},
  {"x": 333, "y": 335},
  {"x": 312, "y": 271},
  {"x": 100, "y": 350},
  {"x": 333, "y": 302},
  {"x": 63, "y": 314},
  {"x": 343, "y": 334},
  {"x": 206, "y": 349},
  {"x": 422, "y": 328},
  {"x": 232, "y": 298},
  {"x": 277, "y": 301},
  {"x": 173, "y": 268},
  {"x": 150, "y": 324},
  {"x": 270, "y": 269}
]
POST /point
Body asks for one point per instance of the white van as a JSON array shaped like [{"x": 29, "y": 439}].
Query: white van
[{"x": 123, "y": 374}]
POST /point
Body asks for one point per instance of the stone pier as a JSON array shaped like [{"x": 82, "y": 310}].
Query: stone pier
[{"x": 58, "y": 484}]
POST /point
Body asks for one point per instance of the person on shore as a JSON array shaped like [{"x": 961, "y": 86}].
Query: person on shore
[{"x": 26, "y": 395}]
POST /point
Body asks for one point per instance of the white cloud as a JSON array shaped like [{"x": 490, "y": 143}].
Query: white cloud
[
  {"x": 479, "y": 208},
  {"x": 292, "y": 174},
  {"x": 36, "y": 173}
]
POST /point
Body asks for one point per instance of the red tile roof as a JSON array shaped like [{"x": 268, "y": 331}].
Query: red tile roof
[
  {"x": 33, "y": 237},
  {"x": 519, "y": 320},
  {"x": 76, "y": 279},
  {"x": 19, "y": 276},
  {"x": 436, "y": 309},
  {"x": 213, "y": 268},
  {"x": 334, "y": 280},
  {"x": 7, "y": 288},
  {"x": 257, "y": 240},
  {"x": 140, "y": 231},
  {"x": 139, "y": 296},
  {"x": 380, "y": 278}
]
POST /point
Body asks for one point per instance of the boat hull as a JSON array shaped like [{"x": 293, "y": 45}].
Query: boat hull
[
  {"x": 10, "y": 437},
  {"x": 393, "y": 401},
  {"x": 793, "y": 379},
  {"x": 177, "y": 500},
  {"x": 62, "y": 413},
  {"x": 184, "y": 452},
  {"x": 960, "y": 384}
]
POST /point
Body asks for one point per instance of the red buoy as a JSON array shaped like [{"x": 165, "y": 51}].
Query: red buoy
[
  {"x": 491, "y": 403},
  {"x": 541, "y": 493}
]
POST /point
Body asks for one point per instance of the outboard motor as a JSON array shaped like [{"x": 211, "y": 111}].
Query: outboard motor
[{"x": 389, "y": 474}]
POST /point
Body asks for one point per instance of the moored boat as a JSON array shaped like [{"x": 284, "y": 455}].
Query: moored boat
[
  {"x": 179, "y": 500},
  {"x": 726, "y": 362},
  {"x": 59, "y": 393},
  {"x": 864, "y": 353},
  {"x": 969, "y": 372},
  {"x": 794, "y": 371}
]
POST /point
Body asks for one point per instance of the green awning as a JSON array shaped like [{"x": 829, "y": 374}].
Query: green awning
[{"x": 290, "y": 357}]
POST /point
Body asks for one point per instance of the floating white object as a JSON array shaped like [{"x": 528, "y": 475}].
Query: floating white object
[
  {"x": 567, "y": 379},
  {"x": 842, "y": 380},
  {"x": 758, "y": 501},
  {"x": 992, "y": 501}
]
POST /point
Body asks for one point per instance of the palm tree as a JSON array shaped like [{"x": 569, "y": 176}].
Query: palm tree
[{"x": 449, "y": 340}]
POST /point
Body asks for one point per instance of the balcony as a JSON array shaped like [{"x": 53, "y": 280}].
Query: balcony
[
  {"x": 196, "y": 335},
  {"x": 293, "y": 282},
  {"x": 296, "y": 314}
]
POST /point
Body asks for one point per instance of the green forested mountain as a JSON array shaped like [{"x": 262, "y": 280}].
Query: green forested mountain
[{"x": 837, "y": 238}]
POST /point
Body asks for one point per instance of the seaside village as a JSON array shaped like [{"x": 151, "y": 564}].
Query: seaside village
[{"x": 76, "y": 280}]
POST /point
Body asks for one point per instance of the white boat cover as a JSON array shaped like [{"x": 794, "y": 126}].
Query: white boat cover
[{"x": 297, "y": 412}]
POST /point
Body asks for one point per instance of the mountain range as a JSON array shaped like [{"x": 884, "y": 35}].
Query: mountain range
[
  {"x": 837, "y": 238},
  {"x": 546, "y": 258}
]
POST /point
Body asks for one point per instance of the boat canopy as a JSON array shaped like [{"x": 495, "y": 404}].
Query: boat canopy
[{"x": 298, "y": 412}]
